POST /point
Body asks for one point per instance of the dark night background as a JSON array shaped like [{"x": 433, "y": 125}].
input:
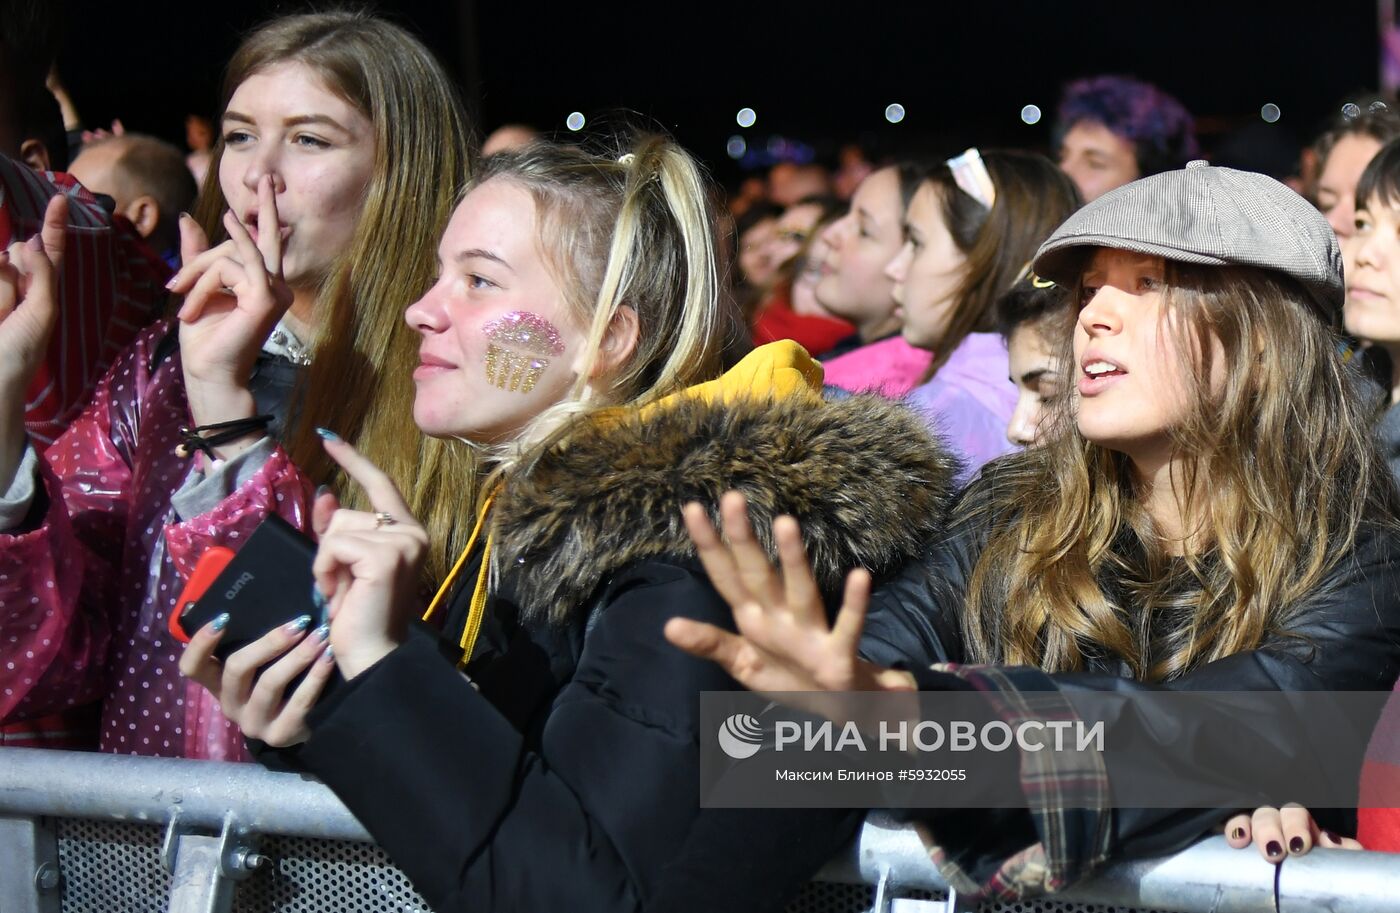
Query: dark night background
[{"x": 817, "y": 72}]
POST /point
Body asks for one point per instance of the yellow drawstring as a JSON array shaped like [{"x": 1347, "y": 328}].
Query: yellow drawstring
[{"x": 477, "y": 610}]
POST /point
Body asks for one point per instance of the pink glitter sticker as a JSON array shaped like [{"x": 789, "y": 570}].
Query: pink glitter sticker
[
  {"x": 524, "y": 330},
  {"x": 518, "y": 342}
]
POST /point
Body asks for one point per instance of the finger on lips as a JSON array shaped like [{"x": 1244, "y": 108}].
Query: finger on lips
[{"x": 269, "y": 227}]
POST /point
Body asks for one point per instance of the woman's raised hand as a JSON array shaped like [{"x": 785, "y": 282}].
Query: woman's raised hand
[
  {"x": 29, "y": 298},
  {"x": 784, "y": 642},
  {"x": 234, "y": 295},
  {"x": 28, "y": 313},
  {"x": 367, "y": 566}
]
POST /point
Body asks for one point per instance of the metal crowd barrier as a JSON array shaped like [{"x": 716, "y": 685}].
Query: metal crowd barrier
[{"x": 89, "y": 832}]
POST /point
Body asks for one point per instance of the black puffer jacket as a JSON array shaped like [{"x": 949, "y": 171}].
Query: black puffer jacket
[
  {"x": 570, "y": 781},
  {"x": 1344, "y": 637}
]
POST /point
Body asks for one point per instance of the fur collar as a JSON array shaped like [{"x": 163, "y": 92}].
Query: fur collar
[{"x": 865, "y": 477}]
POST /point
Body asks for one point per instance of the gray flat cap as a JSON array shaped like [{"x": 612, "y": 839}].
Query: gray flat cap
[{"x": 1207, "y": 215}]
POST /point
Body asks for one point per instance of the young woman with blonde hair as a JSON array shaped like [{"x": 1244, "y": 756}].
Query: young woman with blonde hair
[
  {"x": 339, "y": 130},
  {"x": 574, "y": 338},
  {"x": 1207, "y": 512}
]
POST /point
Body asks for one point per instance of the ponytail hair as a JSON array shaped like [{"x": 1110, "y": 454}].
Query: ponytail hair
[{"x": 632, "y": 230}]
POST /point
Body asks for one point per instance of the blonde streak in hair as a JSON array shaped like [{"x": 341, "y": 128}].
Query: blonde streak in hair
[
  {"x": 616, "y": 278},
  {"x": 684, "y": 192}
]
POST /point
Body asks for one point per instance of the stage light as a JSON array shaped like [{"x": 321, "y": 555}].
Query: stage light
[
  {"x": 736, "y": 147},
  {"x": 1030, "y": 114},
  {"x": 746, "y": 117},
  {"x": 1270, "y": 113},
  {"x": 575, "y": 121},
  {"x": 894, "y": 113}
]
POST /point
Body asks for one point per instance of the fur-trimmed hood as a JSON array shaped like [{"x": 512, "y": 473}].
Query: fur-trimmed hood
[{"x": 865, "y": 477}]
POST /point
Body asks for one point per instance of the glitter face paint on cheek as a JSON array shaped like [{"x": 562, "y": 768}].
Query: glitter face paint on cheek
[{"x": 519, "y": 346}]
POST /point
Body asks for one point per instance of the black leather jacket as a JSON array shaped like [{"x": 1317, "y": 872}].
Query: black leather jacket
[{"x": 1343, "y": 637}]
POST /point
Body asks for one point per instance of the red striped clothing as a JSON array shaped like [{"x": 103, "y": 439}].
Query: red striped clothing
[{"x": 112, "y": 286}]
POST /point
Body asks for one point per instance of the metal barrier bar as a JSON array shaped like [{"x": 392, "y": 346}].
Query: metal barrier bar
[
  {"x": 75, "y": 784},
  {"x": 29, "y": 860},
  {"x": 238, "y": 802},
  {"x": 1210, "y": 875}
]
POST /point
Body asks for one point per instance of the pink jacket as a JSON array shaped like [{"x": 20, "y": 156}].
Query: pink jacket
[
  {"x": 890, "y": 367},
  {"x": 87, "y": 587}
]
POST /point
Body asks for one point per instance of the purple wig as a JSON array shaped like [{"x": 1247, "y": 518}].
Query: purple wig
[{"x": 1162, "y": 131}]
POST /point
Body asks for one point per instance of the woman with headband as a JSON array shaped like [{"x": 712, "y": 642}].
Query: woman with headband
[{"x": 970, "y": 230}]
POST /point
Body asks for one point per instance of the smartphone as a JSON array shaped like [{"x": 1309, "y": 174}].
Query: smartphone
[{"x": 265, "y": 584}]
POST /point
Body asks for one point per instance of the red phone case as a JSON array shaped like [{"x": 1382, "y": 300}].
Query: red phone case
[{"x": 211, "y": 565}]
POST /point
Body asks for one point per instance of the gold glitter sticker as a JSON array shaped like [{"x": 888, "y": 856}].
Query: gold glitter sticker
[{"x": 518, "y": 342}]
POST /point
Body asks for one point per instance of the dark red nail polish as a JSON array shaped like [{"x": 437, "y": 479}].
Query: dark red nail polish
[
  {"x": 1237, "y": 834},
  {"x": 1273, "y": 849},
  {"x": 1333, "y": 838},
  {"x": 1295, "y": 845}
]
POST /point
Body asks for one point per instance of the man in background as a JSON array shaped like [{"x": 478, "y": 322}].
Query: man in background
[{"x": 148, "y": 181}]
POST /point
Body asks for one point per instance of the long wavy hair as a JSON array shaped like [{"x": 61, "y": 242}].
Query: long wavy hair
[
  {"x": 1279, "y": 472},
  {"x": 360, "y": 380}
]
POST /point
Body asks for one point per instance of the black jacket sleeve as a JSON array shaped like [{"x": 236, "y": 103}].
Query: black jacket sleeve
[{"x": 479, "y": 819}]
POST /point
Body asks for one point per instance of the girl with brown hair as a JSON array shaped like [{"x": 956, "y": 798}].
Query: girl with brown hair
[
  {"x": 1208, "y": 512},
  {"x": 339, "y": 130},
  {"x": 970, "y": 229}
]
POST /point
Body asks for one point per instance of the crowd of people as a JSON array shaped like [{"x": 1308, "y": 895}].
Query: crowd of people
[{"x": 577, "y": 441}]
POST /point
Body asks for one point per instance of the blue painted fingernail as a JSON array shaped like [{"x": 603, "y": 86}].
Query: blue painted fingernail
[
  {"x": 299, "y": 624},
  {"x": 322, "y": 489},
  {"x": 219, "y": 623},
  {"x": 322, "y": 632},
  {"x": 329, "y": 655},
  {"x": 327, "y": 434}
]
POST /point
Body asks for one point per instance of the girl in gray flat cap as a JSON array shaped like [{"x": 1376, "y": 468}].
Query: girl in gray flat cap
[{"x": 1208, "y": 513}]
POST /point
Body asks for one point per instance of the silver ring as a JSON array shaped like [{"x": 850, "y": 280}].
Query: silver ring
[{"x": 382, "y": 518}]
